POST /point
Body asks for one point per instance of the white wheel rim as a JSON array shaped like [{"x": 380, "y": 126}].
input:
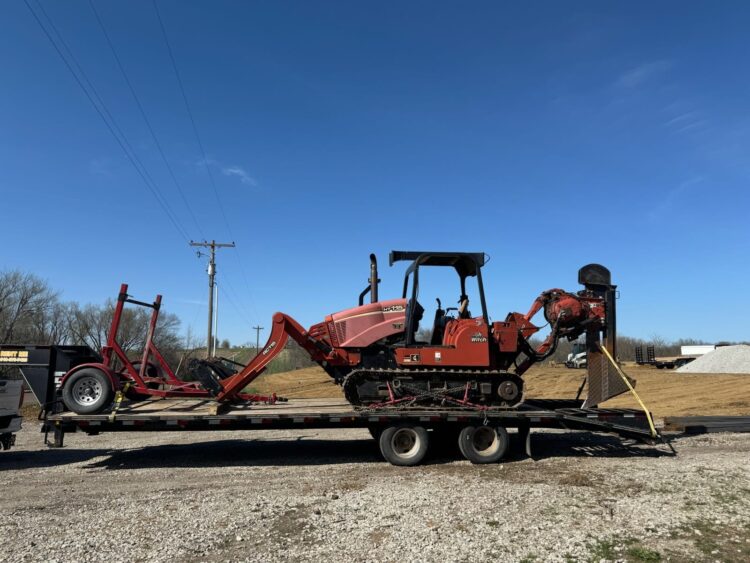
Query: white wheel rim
[
  {"x": 87, "y": 391},
  {"x": 405, "y": 443},
  {"x": 485, "y": 441}
]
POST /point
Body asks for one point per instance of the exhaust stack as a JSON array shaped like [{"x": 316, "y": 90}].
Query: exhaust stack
[
  {"x": 373, "y": 278},
  {"x": 372, "y": 287}
]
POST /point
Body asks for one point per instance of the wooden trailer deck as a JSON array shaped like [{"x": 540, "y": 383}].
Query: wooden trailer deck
[{"x": 197, "y": 414}]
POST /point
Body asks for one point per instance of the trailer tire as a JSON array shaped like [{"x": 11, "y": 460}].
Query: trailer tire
[
  {"x": 88, "y": 391},
  {"x": 404, "y": 444},
  {"x": 483, "y": 444}
]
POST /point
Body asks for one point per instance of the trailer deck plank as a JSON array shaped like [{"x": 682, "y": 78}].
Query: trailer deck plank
[
  {"x": 198, "y": 414},
  {"x": 198, "y": 408}
]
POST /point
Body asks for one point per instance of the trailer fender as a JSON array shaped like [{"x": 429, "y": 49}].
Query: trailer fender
[{"x": 113, "y": 377}]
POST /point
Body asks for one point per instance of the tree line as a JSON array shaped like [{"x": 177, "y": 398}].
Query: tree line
[{"x": 31, "y": 312}]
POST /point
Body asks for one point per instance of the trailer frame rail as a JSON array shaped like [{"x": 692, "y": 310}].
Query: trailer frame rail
[{"x": 194, "y": 415}]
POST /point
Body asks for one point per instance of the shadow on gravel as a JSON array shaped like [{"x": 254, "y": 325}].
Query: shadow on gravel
[
  {"x": 303, "y": 451},
  {"x": 583, "y": 444},
  {"x": 19, "y": 459},
  {"x": 545, "y": 445},
  {"x": 222, "y": 453}
]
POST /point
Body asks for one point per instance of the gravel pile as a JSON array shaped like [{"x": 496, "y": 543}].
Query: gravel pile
[
  {"x": 725, "y": 359},
  {"x": 327, "y": 496}
]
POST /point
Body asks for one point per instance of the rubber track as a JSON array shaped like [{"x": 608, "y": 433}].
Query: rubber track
[{"x": 351, "y": 381}]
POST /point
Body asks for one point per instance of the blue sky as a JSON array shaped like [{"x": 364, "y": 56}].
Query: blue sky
[{"x": 548, "y": 135}]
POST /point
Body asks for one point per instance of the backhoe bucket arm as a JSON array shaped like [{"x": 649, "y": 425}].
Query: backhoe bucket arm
[{"x": 283, "y": 327}]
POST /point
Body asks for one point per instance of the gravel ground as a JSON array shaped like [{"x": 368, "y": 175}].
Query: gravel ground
[{"x": 326, "y": 495}]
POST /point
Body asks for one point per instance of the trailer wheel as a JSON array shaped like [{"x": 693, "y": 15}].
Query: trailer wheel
[
  {"x": 483, "y": 444},
  {"x": 404, "y": 444},
  {"x": 88, "y": 391}
]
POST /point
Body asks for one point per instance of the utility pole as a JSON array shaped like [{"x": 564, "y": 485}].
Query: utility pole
[
  {"x": 213, "y": 245},
  {"x": 257, "y": 338},
  {"x": 216, "y": 321}
]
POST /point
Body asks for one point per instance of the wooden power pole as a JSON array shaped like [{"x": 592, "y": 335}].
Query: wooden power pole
[
  {"x": 213, "y": 245},
  {"x": 257, "y": 338}
]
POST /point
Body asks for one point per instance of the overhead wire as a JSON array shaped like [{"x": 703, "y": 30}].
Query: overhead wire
[
  {"x": 192, "y": 119},
  {"x": 204, "y": 156},
  {"x": 234, "y": 303},
  {"x": 105, "y": 115},
  {"x": 145, "y": 118},
  {"x": 242, "y": 310},
  {"x": 115, "y": 130}
]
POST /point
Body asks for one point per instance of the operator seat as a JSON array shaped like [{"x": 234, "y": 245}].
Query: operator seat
[
  {"x": 438, "y": 327},
  {"x": 463, "y": 308},
  {"x": 414, "y": 318}
]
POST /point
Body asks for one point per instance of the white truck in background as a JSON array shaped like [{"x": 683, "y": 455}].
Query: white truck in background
[
  {"x": 577, "y": 359},
  {"x": 11, "y": 399}
]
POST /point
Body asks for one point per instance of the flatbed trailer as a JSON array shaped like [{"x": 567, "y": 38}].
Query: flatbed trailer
[
  {"x": 480, "y": 432},
  {"x": 437, "y": 424}
]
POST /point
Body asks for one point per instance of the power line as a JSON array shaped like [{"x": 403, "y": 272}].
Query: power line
[
  {"x": 222, "y": 289},
  {"x": 240, "y": 307},
  {"x": 101, "y": 111},
  {"x": 145, "y": 118},
  {"x": 200, "y": 143},
  {"x": 192, "y": 119}
]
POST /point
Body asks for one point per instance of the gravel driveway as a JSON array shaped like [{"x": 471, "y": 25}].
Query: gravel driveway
[{"x": 326, "y": 495}]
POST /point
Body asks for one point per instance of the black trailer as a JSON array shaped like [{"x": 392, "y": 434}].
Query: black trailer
[{"x": 404, "y": 434}]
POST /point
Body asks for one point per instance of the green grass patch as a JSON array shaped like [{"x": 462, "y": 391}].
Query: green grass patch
[
  {"x": 622, "y": 549},
  {"x": 718, "y": 542},
  {"x": 640, "y": 553}
]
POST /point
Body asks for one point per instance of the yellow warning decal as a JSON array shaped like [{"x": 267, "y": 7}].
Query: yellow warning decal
[{"x": 14, "y": 356}]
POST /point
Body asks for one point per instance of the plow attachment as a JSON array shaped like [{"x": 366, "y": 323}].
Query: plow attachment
[{"x": 225, "y": 386}]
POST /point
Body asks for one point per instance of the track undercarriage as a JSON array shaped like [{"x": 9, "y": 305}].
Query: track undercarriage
[{"x": 432, "y": 387}]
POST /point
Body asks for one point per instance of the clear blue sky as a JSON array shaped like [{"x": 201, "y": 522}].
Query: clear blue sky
[{"x": 549, "y": 136}]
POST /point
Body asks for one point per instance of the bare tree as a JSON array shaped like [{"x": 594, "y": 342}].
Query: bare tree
[
  {"x": 191, "y": 347},
  {"x": 91, "y": 324},
  {"x": 50, "y": 326},
  {"x": 24, "y": 299}
]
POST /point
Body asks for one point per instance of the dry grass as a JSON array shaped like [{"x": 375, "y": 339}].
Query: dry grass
[
  {"x": 308, "y": 383},
  {"x": 665, "y": 392}
]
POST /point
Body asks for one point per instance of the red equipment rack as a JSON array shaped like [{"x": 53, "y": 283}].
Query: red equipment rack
[{"x": 151, "y": 376}]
